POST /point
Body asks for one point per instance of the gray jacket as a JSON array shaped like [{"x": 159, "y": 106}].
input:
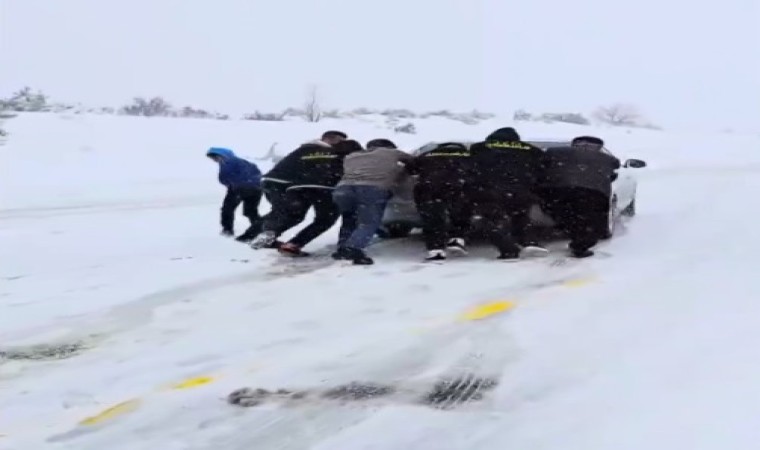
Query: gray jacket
[{"x": 379, "y": 167}]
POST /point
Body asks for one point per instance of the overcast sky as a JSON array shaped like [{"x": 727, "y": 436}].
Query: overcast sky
[{"x": 683, "y": 62}]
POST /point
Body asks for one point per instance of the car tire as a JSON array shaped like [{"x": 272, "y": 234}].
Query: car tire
[
  {"x": 612, "y": 220},
  {"x": 395, "y": 230},
  {"x": 630, "y": 210}
]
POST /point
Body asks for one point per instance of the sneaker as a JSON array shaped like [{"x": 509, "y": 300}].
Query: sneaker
[
  {"x": 532, "y": 249},
  {"x": 290, "y": 249},
  {"x": 264, "y": 240},
  {"x": 436, "y": 255},
  {"x": 456, "y": 245},
  {"x": 358, "y": 257}
]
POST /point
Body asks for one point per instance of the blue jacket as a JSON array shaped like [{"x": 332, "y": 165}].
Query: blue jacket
[{"x": 234, "y": 172}]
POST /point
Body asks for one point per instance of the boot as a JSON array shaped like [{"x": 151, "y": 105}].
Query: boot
[
  {"x": 358, "y": 257},
  {"x": 456, "y": 245},
  {"x": 290, "y": 249},
  {"x": 341, "y": 253},
  {"x": 436, "y": 256},
  {"x": 581, "y": 253},
  {"x": 264, "y": 240},
  {"x": 533, "y": 249}
]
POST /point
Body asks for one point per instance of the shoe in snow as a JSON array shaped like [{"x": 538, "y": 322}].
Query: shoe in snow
[
  {"x": 245, "y": 238},
  {"x": 358, "y": 257},
  {"x": 533, "y": 250},
  {"x": 264, "y": 240},
  {"x": 341, "y": 254},
  {"x": 293, "y": 250},
  {"x": 456, "y": 245},
  {"x": 436, "y": 256},
  {"x": 581, "y": 253}
]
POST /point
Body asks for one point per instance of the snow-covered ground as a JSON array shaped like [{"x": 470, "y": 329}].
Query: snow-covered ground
[{"x": 109, "y": 241}]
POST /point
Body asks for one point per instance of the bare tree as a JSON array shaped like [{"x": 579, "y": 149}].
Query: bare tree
[
  {"x": 618, "y": 114},
  {"x": 312, "y": 109}
]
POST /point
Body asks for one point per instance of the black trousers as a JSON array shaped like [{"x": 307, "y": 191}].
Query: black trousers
[
  {"x": 505, "y": 211},
  {"x": 582, "y": 213},
  {"x": 250, "y": 198},
  {"x": 445, "y": 212},
  {"x": 290, "y": 206}
]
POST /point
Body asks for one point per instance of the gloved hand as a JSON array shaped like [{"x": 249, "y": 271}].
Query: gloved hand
[{"x": 227, "y": 233}]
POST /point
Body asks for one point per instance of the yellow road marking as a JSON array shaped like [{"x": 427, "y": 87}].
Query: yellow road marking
[
  {"x": 193, "y": 382},
  {"x": 487, "y": 310},
  {"x": 114, "y": 411}
]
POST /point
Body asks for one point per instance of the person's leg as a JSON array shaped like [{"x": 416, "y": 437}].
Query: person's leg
[
  {"x": 432, "y": 212},
  {"x": 345, "y": 199},
  {"x": 371, "y": 202},
  {"x": 590, "y": 215},
  {"x": 289, "y": 207},
  {"x": 460, "y": 214},
  {"x": 325, "y": 215},
  {"x": 251, "y": 200},
  {"x": 229, "y": 205}
]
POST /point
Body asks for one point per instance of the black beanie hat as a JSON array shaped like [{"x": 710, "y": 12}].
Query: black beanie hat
[
  {"x": 377, "y": 143},
  {"x": 334, "y": 133}
]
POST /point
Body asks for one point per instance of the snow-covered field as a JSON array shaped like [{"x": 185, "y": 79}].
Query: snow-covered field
[{"x": 109, "y": 242}]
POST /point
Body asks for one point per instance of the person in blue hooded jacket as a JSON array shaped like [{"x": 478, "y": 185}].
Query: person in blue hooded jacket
[{"x": 243, "y": 182}]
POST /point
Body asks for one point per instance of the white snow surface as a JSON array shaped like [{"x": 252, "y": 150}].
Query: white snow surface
[{"x": 109, "y": 237}]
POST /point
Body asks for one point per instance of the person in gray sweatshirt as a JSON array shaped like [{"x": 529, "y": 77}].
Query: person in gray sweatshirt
[{"x": 369, "y": 177}]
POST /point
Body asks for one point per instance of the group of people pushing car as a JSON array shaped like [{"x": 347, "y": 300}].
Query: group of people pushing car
[{"x": 498, "y": 179}]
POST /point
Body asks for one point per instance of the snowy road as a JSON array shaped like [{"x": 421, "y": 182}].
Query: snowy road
[{"x": 652, "y": 347}]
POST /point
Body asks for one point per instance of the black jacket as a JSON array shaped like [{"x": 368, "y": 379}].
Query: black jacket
[
  {"x": 579, "y": 167},
  {"x": 313, "y": 164},
  {"x": 447, "y": 164},
  {"x": 504, "y": 161}
]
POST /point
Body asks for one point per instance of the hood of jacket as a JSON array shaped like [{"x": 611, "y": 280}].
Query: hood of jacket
[
  {"x": 221, "y": 151},
  {"x": 507, "y": 134}
]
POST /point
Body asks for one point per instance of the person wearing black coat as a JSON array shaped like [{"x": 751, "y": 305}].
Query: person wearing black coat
[
  {"x": 304, "y": 179},
  {"x": 439, "y": 194},
  {"x": 504, "y": 177},
  {"x": 578, "y": 185}
]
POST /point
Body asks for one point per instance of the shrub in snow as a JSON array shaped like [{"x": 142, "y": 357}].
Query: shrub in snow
[
  {"x": 332, "y": 114},
  {"x": 156, "y": 106},
  {"x": 400, "y": 113},
  {"x": 573, "y": 118},
  {"x": 623, "y": 115},
  {"x": 362, "y": 112},
  {"x": 268, "y": 117},
  {"x": 522, "y": 116},
  {"x": 407, "y": 128},
  {"x": 25, "y": 100}
]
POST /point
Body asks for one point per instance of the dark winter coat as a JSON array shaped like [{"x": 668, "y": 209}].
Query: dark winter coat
[
  {"x": 579, "y": 167},
  {"x": 505, "y": 162},
  {"x": 234, "y": 172},
  {"x": 313, "y": 164},
  {"x": 448, "y": 164}
]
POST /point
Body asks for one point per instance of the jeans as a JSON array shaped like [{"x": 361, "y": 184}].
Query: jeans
[{"x": 361, "y": 208}]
